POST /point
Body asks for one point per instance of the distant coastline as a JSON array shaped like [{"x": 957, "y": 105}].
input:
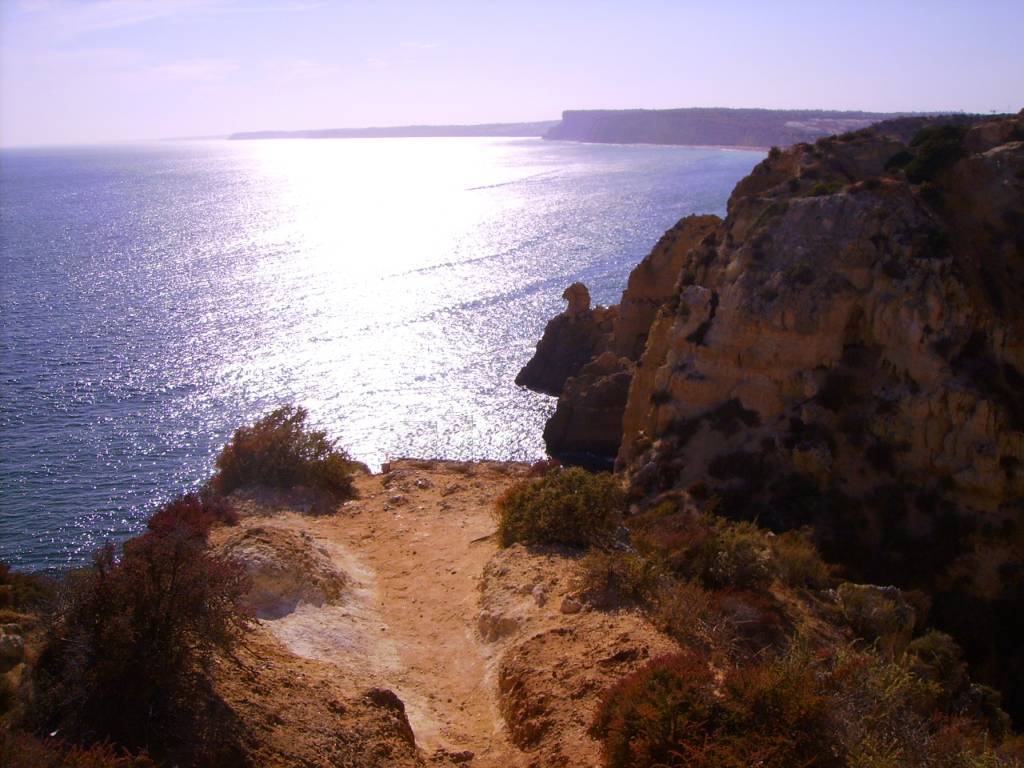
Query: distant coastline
[
  {"x": 753, "y": 129},
  {"x": 748, "y": 128},
  {"x": 535, "y": 129}
]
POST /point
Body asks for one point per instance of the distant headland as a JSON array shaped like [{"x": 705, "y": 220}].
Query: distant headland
[
  {"x": 689, "y": 126},
  {"x": 407, "y": 131},
  {"x": 701, "y": 126}
]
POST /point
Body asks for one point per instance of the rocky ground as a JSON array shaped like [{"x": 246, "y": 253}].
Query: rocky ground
[{"x": 394, "y": 632}]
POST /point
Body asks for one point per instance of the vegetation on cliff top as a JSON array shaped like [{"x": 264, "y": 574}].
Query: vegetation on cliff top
[
  {"x": 567, "y": 506},
  {"x": 281, "y": 450},
  {"x": 121, "y": 670},
  {"x": 125, "y": 649}
]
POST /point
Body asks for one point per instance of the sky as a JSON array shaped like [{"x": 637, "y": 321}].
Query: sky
[{"x": 94, "y": 71}]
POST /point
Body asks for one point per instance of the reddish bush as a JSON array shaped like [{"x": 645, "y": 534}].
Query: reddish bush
[
  {"x": 192, "y": 516},
  {"x": 677, "y": 712},
  {"x": 280, "y": 450},
  {"x": 21, "y": 750},
  {"x": 124, "y": 656}
]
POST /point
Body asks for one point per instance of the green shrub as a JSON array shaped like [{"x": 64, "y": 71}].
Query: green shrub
[
  {"x": 936, "y": 148},
  {"x": 823, "y": 189},
  {"x": 898, "y": 161},
  {"x": 879, "y": 614},
  {"x": 717, "y": 552},
  {"x": 281, "y": 450},
  {"x": 566, "y": 506}
]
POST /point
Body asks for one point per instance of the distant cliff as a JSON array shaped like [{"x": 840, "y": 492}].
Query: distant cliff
[
  {"x": 724, "y": 127},
  {"x": 407, "y": 131}
]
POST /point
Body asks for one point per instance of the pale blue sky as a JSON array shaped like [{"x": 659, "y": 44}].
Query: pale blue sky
[{"x": 134, "y": 69}]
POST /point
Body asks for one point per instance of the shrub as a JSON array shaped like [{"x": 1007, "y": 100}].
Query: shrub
[
  {"x": 541, "y": 467},
  {"x": 898, "y": 161},
  {"x": 22, "y": 592},
  {"x": 798, "y": 562},
  {"x": 677, "y": 712},
  {"x": 715, "y": 551},
  {"x": 22, "y": 750},
  {"x": 686, "y": 611},
  {"x": 281, "y": 450},
  {"x": 852, "y": 708},
  {"x": 609, "y": 575},
  {"x": 566, "y": 506},
  {"x": 823, "y": 189},
  {"x": 936, "y": 148},
  {"x": 878, "y": 613},
  {"x": 125, "y": 654}
]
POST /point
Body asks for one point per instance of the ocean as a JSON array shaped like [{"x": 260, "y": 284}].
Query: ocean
[{"x": 155, "y": 296}]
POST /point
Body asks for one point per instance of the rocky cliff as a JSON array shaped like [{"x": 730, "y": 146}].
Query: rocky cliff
[{"x": 844, "y": 350}]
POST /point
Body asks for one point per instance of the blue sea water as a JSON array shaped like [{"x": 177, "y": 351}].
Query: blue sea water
[{"x": 156, "y": 296}]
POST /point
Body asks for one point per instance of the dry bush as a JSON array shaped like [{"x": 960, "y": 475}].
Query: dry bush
[
  {"x": 688, "y": 613},
  {"x": 851, "y": 708},
  {"x": 280, "y": 450},
  {"x": 566, "y": 506},
  {"x": 124, "y": 655},
  {"x": 611, "y": 576},
  {"x": 677, "y": 712},
  {"x": 717, "y": 552},
  {"x": 22, "y": 750},
  {"x": 798, "y": 562},
  {"x": 23, "y": 592}
]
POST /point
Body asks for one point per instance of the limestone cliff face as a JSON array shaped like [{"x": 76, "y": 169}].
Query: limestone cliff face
[{"x": 868, "y": 323}]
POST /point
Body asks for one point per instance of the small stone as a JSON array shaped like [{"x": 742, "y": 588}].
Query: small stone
[
  {"x": 540, "y": 594},
  {"x": 571, "y": 605}
]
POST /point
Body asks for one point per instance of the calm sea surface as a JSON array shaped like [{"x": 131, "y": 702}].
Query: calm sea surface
[{"x": 156, "y": 296}]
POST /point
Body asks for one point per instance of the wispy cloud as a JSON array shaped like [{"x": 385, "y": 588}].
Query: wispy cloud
[
  {"x": 414, "y": 45},
  {"x": 306, "y": 69},
  {"x": 71, "y": 19},
  {"x": 205, "y": 70}
]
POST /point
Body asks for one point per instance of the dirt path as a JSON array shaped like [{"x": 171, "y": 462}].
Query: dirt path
[{"x": 414, "y": 544}]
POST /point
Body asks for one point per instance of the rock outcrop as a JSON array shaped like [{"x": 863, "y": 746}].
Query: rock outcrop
[
  {"x": 570, "y": 340},
  {"x": 286, "y": 567},
  {"x": 588, "y": 357}
]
